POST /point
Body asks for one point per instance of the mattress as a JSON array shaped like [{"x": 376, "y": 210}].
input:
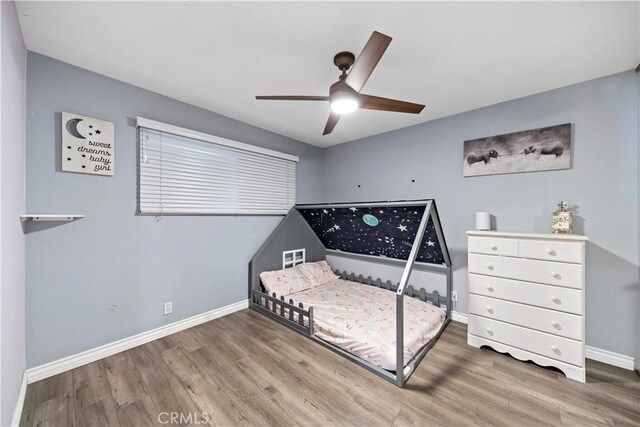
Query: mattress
[{"x": 361, "y": 319}]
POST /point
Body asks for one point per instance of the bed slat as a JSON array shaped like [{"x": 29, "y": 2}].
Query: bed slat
[
  {"x": 300, "y": 316},
  {"x": 436, "y": 298}
]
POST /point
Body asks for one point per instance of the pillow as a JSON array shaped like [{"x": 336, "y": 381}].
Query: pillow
[
  {"x": 318, "y": 273},
  {"x": 285, "y": 282}
]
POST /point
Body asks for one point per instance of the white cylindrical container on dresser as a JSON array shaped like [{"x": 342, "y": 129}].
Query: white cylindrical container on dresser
[
  {"x": 483, "y": 221},
  {"x": 526, "y": 295}
]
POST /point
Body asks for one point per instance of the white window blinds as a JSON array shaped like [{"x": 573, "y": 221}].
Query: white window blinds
[{"x": 187, "y": 172}]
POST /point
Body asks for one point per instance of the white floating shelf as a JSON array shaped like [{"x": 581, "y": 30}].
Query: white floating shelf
[{"x": 49, "y": 217}]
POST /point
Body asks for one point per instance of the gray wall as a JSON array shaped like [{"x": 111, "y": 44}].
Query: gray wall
[
  {"x": 13, "y": 57},
  {"x": 77, "y": 271},
  {"x": 603, "y": 183}
]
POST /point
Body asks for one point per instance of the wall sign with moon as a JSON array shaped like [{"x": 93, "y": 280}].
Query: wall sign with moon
[{"x": 87, "y": 145}]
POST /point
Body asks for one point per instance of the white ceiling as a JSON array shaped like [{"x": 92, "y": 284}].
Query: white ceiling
[{"x": 453, "y": 57}]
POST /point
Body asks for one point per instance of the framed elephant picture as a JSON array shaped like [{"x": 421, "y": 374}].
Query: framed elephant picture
[{"x": 534, "y": 150}]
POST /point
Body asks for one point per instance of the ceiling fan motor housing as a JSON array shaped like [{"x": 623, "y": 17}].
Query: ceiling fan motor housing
[{"x": 341, "y": 90}]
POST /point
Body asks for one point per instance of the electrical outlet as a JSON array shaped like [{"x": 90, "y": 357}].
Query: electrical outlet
[
  {"x": 168, "y": 307},
  {"x": 454, "y": 296}
]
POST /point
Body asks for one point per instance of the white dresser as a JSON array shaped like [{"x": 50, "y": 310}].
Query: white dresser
[{"x": 526, "y": 297}]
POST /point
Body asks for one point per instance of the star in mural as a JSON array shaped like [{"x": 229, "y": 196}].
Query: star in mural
[{"x": 402, "y": 227}]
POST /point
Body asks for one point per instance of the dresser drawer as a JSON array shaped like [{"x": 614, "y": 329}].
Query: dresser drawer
[
  {"x": 553, "y": 297},
  {"x": 553, "y": 322},
  {"x": 552, "y": 273},
  {"x": 552, "y": 251},
  {"x": 554, "y": 347},
  {"x": 493, "y": 246}
]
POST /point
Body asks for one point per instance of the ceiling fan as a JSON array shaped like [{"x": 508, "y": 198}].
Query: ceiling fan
[{"x": 344, "y": 95}]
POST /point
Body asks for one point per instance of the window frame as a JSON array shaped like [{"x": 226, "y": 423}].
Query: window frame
[{"x": 156, "y": 126}]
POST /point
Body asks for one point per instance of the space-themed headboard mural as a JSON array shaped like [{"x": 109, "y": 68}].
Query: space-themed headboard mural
[{"x": 379, "y": 229}]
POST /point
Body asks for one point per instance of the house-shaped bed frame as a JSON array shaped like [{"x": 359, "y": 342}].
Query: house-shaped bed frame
[{"x": 309, "y": 227}]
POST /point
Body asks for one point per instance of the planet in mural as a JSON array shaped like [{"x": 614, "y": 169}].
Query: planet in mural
[{"x": 370, "y": 220}]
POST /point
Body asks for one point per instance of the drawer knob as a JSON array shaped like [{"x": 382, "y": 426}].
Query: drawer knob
[
  {"x": 490, "y": 309},
  {"x": 490, "y": 331},
  {"x": 490, "y": 267},
  {"x": 555, "y": 324},
  {"x": 493, "y": 247},
  {"x": 490, "y": 288},
  {"x": 555, "y": 299},
  {"x": 550, "y": 251},
  {"x": 555, "y": 275},
  {"x": 554, "y": 347}
]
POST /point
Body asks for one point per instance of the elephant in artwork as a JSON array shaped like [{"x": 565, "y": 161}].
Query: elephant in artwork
[
  {"x": 553, "y": 150},
  {"x": 556, "y": 150},
  {"x": 482, "y": 157}
]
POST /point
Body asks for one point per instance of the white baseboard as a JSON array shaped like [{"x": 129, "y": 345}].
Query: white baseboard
[
  {"x": 459, "y": 317},
  {"x": 17, "y": 412},
  {"x": 70, "y": 362},
  {"x": 610, "y": 358},
  {"x": 605, "y": 356}
]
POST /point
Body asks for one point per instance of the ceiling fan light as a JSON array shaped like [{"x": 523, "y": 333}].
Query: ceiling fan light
[{"x": 345, "y": 105}]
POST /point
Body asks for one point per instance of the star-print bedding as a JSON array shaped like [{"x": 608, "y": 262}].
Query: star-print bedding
[
  {"x": 384, "y": 231},
  {"x": 361, "y": 319}
]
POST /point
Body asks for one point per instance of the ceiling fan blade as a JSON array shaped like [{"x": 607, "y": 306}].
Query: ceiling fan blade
[
  {"x": 369, "y": 102},
  {"x": 332, "y": 121},
  {"x": 294, "y": 98},
  {"x": 367, "y": 60}
]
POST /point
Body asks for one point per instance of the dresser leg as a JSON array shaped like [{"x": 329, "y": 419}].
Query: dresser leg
[{"x": 577, "y": 374}]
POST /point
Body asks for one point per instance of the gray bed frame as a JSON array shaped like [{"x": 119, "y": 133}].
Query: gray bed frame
[{"x": 295, "y": 233}]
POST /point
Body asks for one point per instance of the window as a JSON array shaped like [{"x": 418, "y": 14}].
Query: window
[
  {"x": 293, "y": 258},
  {"x": 187, "y": 172}
]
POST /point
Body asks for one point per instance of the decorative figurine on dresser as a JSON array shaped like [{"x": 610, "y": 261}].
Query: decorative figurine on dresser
[
  {"x": 562, "y": 222},
  {"x": 526, "y": 297}
]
